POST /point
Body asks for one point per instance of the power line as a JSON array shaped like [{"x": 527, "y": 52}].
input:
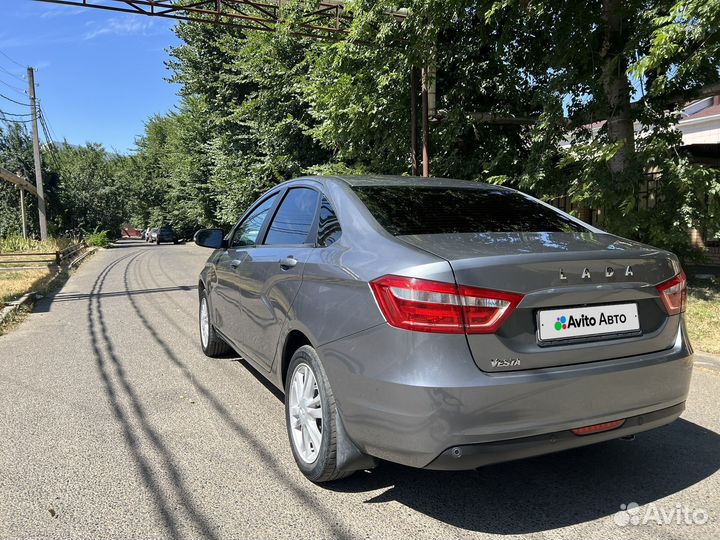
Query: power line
[
  {"x": 52, "y": 149},
  {"x": 11, "y": 120},
  {"x": 11, "y": 74},
  {"x": 50, "y": 136},
  {"x": 14, "y": 114},
  {"x": 14, "y": 88},
  {"x": 46, "y": 129},
  {"x": 47, "y": 124},
  {"x": 14, "y": 101},
  {"x": 13, "y": 61}
]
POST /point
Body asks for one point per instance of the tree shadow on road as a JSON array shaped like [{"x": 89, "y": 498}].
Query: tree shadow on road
[
  {"x": 266, "y": 454},
  {"x": 133, "y": 420},
  {"x": 557, "y": 490}
]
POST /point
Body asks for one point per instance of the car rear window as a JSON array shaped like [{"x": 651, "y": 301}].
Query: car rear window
[
  {"x": 294, "y": 218},
  {"x": 407, "y": 210}
]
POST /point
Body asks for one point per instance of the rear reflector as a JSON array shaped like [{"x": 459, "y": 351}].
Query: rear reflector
[
  {"x": 674, "y": 294},
  {"x": 433, "y": 306},
  {"x": 598, "y": 428}
]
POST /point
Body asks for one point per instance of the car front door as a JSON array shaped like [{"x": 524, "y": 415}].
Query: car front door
[
  {"x": 227, "y": 292},
  {"x": 272, "y": 271}
]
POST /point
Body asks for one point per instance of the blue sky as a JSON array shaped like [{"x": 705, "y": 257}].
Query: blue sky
[{"x": 100, "y": 74}]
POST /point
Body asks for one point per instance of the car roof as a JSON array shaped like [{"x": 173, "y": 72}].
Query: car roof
[{"x": 382, "y": 180}]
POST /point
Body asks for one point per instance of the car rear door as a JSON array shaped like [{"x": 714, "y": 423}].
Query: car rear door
[{"x": 272, "y": 272}]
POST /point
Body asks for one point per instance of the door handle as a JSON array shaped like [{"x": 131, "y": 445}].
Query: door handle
[
  {"x": 288, "y": 262},
  {"x": 235, "y": 263}
]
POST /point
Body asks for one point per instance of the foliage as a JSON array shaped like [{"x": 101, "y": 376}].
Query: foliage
[
  {"x": 16, "y": 156},
  {"x": 97, "y": 239},
  {"x": 17, "y": 244},
  {"x": 89, "y": 192},
  {"x": 684, "y": 47},
  {"x": 258, "y": 108}
]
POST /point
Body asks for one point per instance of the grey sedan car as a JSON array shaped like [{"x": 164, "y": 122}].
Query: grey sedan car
[{"x": 443, "y": 324}]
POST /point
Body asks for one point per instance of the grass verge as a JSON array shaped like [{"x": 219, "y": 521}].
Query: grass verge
[
  {"x": 703, "y": 315},
  {"x": 15, "y": 284},
  {"x": 18, "y": 244}
]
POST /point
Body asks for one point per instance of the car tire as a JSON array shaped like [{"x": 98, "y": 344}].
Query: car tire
[
  {"x": 318, "y": 464},
  {"x": 157, "y": 241},
  {"x": 211, "y": 343}
]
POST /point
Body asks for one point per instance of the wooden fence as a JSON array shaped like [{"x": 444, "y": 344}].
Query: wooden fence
[{"x": 29, "y": 260}]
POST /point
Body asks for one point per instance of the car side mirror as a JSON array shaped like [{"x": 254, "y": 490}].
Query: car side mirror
[{"x": 210, "y": 238}]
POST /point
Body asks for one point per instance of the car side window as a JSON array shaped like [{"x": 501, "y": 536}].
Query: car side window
[
  {"x": 247, "y": 232},
  {"x": 294, "y": 218},
  {"x": 329, "y": 230}
]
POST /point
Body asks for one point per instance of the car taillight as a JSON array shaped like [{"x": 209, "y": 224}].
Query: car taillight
[
  {"x": 433, "y": 306},
  {"x": 598, "y": 428},
  {"x": 674, "y": 294}
]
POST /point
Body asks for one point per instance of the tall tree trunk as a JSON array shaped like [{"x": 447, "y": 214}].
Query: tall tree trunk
[{"x": 617, "y": 86}]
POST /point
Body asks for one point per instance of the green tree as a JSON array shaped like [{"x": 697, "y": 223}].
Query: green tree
[
  {"x": 258, "y": 108},
  {"x": 88, "y": 192}
]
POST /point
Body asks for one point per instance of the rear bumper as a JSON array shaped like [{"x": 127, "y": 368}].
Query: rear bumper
[
  {"x": 410, "y": 398},
  {"x": 477, "y": 455}
]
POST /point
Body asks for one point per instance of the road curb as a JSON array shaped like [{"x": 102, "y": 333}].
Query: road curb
[
  {"x": 15, "y": 305},
  {"x": 82, "y": 257},
  {"x": 707, "y": 361}
]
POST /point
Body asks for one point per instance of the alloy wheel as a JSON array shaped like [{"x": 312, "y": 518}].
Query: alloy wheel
[
  {"x": 305, "y": 414},
  {"x": 204, "y": 323}
]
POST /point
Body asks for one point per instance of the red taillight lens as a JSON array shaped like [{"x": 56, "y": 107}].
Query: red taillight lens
[
  {"x": 598, "y": 428},
  {"x": 432, "y": 306},
  {"x": 674, "y": 294}
]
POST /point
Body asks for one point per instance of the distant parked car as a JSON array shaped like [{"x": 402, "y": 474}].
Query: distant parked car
[
  {"x": 163, "y": 234},
  {"x": 150, "y": 232}
]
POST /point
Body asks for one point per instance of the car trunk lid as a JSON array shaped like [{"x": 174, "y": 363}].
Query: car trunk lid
[{"x": 560, "y": 271}]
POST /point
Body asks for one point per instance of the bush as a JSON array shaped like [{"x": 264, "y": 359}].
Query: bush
[
  {"x": 17, "y": 244},
  {"x": 97, "y": 239}
]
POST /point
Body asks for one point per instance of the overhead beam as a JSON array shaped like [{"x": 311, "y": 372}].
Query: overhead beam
[
  {"x": 326, "y": 19},
  {"x": 18, "y": 181}
]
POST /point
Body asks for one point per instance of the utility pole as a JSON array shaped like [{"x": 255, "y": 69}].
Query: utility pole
[{"x": 36, "y": 152}]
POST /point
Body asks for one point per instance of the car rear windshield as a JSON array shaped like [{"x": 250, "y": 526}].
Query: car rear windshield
[{"x": 406, "y": 210}]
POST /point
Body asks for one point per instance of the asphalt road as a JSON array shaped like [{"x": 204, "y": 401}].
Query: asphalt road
[{"x": 113, "y": 424}]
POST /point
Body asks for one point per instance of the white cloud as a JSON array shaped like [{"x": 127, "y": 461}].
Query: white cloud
[
  {"x": 59, "y": 11},
  {"x": 120, "y": 26}
]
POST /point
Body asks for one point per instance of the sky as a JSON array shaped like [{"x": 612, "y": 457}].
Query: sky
[{"x": 100, "y": 74}]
